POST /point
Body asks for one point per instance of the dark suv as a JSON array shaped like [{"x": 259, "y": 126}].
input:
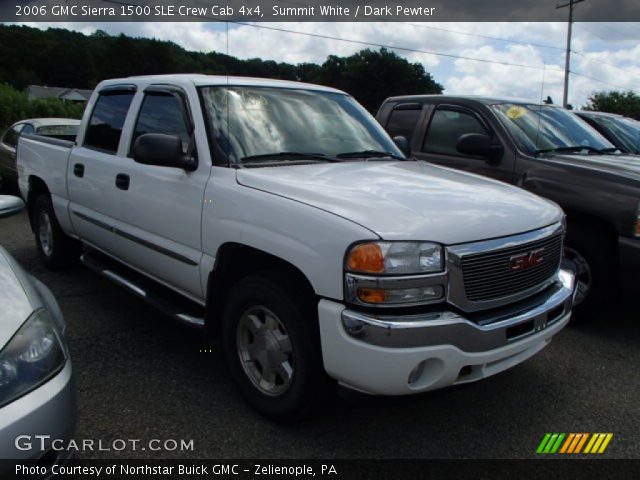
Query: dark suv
[{"x": 546, "y": 150}]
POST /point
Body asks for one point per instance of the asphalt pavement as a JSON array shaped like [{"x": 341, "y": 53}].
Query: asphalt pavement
[{"x": 141, "y": 375}]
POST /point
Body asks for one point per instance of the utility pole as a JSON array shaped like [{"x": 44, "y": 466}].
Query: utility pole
[{"x": 567, "y": 59}]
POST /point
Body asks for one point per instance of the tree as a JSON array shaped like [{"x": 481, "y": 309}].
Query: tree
[
  {"x": 622, "y": 103},
  {"x": 372, "y": 76},
  {"x": 61, "y": 58}
]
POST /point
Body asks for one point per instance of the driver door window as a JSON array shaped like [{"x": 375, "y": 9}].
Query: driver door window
[
  {"x": 447, "y": 125},
  {"x": 445, "y": 129},
  {"x": 163, "y": 113}
]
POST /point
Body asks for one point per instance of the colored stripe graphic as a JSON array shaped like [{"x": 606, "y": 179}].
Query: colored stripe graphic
[
  {"x": 550, "y": 443},
  {"x": 606, "y": 441},
  {"x": 543, "y": 443},
  {"x": 581, "y": 443},
  {"x": 573, "y": 443},
  {"x": 567, "y": 442}
]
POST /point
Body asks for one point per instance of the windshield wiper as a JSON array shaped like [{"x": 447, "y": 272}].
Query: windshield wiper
[
  {"x": 289, "y": 156},
  {"x": 369, "y": 154},
  {"x": 577, "y": 148}
]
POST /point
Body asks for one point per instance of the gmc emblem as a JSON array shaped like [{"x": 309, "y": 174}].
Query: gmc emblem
[{"x": 526, "y": 260}]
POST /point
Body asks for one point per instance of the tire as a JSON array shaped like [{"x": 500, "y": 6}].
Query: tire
[
  {"x": 56, "y": 250},
  {"x": 593, "y": 255},
  {"x": 264, "y": 326}
]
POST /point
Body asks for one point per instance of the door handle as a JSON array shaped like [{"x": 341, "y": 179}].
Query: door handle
[
  {"x": 78, "y": 170},
  {"x": 122, "y": 181}
]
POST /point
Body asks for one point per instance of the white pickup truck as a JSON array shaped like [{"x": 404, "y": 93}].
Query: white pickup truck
[{"x": 282, "y": 218}]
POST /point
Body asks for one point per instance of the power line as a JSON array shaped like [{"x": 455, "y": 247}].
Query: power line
[
  {"x": 390, "y": 47},
  {"x": 489, "y": 37},
  {"x": 595, "y": 60},
  {"x": 619, "y": 87},
  {"x": 361, "y": 42}
]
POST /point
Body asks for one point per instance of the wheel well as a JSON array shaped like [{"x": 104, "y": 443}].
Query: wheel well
[
  {"x": 589, "y": 221},
  {"x": 236, "y": 261},
  {"x": 36, "y": 188},
  {"x": 596, "y": 225}
]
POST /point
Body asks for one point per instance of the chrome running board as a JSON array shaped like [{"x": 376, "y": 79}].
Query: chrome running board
[{"x": 158, "y": 296}]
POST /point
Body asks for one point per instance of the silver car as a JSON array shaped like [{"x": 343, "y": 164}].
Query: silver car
[
  {"x": 60, "y": 128},
  {"x": 37, "y": 395}
]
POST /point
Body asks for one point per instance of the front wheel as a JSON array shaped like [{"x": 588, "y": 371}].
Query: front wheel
[
  {"x": 272, "y": 347},
  {"x": 56, "y": 250},
  {"x": 594, "y": 260}
]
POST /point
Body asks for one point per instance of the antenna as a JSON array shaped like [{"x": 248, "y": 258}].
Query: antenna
[
  {"x": 544, "y": 71},
  {"x": 544, "y": 65},
  {"x": 228, "y": 132}
]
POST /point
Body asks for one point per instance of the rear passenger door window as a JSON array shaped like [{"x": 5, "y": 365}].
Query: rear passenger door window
[
  {"x": 164, "y": 113},
  {"x": 446, "y": 127},
  {"x": 107, "y": 119}
]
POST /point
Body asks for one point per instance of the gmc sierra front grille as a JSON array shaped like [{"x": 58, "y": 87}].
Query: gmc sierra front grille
[{"x": 512, "y": 270}]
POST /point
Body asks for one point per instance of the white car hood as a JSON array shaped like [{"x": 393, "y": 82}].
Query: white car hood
[{"x": 408, "y": 200}]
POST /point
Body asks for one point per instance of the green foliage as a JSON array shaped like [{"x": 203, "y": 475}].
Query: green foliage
[
  {"x": 61, "y": 58},
  {"x": 14, "y": 106},
  {"x": 622, "y": 103}
]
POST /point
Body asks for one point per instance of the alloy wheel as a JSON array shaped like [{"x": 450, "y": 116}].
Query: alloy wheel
[
  {"x": 45, "y": 233},
  {"x": 265, "y": 351}
]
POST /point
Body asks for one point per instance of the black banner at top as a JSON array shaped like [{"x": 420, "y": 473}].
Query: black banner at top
[{"x": 318, "y": 10}]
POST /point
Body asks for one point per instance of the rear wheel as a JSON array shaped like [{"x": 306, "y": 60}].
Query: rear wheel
[
  {"x": 272, "y": 346},
  {"x": 56, "y": 249}
]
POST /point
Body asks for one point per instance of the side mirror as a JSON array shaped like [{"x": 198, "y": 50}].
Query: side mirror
[
  {"x": 479, "y": 145},
  {"x": 10, "y": 205},
  {"x": 161, "y": 150},
  {"x": 403, "y": 144}
]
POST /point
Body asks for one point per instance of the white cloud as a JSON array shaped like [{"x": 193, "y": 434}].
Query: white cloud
[{"x": 500, "y": 79}]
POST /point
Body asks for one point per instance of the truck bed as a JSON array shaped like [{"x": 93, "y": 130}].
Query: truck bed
[{"x": 45, "y": 158}]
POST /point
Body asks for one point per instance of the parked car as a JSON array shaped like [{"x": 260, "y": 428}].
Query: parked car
[
  {"x": 623, "y": 132},
  {"x": 62, "y": 128},
  {"x": 282, "y": 218},
  {"x": 543, "y": 149},
  {"x": 37, "y": 395}
]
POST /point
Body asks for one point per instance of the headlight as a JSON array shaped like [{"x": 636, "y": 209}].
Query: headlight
[
  {"x": 32, "y": 356},
  {"x": 396, "y": 258},
  {"x": 395, "y": 274}
]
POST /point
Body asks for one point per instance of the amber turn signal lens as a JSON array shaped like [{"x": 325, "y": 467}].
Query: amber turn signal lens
[
  {"x": 366, "y": 257},
  {"x": 372, "y": 295}
]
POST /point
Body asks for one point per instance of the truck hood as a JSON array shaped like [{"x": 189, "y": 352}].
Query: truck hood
[
  {"x": 622, "y": 165},
  {"x": 408, "y": 200}
]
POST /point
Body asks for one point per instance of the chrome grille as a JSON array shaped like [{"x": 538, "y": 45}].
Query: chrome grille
[{"x": 488, "y": 275}]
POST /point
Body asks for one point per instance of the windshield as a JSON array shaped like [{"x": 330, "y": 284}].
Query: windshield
[
  {"x": 625, "y": 130},
  {"x": 539, "y": 128},
  {"x": 250, "y": 122}
]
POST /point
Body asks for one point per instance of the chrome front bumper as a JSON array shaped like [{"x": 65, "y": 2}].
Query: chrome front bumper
[
  {"x": 402, "y": 355},
  {"x": 476, "y": 333}
]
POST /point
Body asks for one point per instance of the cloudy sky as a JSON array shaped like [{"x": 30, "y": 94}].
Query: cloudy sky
[{"x": 607, "y": 55}]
